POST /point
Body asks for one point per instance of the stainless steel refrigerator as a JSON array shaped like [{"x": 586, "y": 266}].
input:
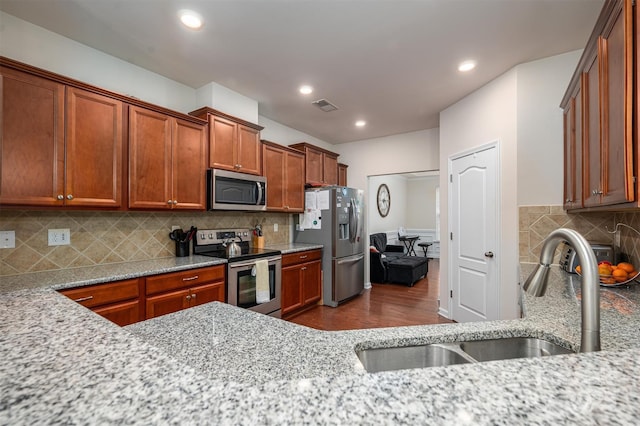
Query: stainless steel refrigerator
[{"x": 334, "y": 218}]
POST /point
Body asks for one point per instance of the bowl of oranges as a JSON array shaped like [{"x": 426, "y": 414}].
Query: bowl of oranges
[{"x": 614, "y": 274}]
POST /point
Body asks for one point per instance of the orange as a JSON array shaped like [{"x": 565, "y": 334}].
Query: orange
[
  {"x": 620, "y": 275},
  {"x": 626, "y": 266},
  {"x": 578, "y": 269},
  {"x": 604, "y": 270}
]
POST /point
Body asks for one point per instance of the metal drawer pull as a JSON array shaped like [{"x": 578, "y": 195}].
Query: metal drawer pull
[
  {"x": 190, "y": 279},
  {"x": 304, "y": 257},
  {"x": 188, "y": 297},
  {"x": 83, "y": 299}
]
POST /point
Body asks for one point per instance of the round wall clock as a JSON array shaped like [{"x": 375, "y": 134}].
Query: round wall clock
[{"x": 384, "y": 200}]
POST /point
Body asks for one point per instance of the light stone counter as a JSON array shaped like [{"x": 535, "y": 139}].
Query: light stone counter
[{"x": 217, "y": 364}]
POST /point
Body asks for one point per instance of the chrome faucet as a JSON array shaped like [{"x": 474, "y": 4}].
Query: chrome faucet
[{"x": 536, "y": 283}]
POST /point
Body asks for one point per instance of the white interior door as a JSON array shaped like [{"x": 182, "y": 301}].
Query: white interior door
[{"x": 474, "y": 236}]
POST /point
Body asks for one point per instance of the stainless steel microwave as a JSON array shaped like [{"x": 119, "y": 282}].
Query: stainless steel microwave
[{"x": 235, "y": 191}]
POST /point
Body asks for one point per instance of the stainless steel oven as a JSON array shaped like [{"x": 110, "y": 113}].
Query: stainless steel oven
[
  {"x": 242, "y": 284},
  {"x": 242, "y": 270}
]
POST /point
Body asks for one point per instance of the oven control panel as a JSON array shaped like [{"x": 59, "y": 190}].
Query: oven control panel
[{"x": 219, "y": 236}]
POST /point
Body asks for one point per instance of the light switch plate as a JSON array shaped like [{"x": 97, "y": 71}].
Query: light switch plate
[
  {"x": 275, "y": 227},
  {"x": 59, "y": 237},
  {"x": 7, "y": 239}
]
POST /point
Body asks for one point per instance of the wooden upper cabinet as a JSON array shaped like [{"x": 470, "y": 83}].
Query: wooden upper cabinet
[
  {"x": 149, "y": 159},
  {"x": 167, "y": 158},
  {"x": 342, "y": 174},
  {"x": 32, "y": 142},
  {"x": 284, "y": 169},
  {"x": 94, "y": 149},
  {"x": 189, "y": 165},
  {"x": 599, "y": 116},
  {"x": 234, "y": 144},
  {"x": 61, "y": 146},
  {"x": 321, "y": 165}
]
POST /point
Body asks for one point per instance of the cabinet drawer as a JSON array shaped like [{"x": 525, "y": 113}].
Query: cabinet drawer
[
  {"x": 102, "y": 294},
  {"x": 183, "y": 279},
  {"x": 301, "y": 257},
  {"x": 124, "y": 313}
]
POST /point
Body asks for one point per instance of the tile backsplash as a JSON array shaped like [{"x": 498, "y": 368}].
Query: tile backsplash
[
  {"x": 110, "y": 237},
  {"x": 537, "y": 221}
]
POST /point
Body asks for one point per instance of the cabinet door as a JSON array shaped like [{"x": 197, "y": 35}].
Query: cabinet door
[
  {"x": 294, "y": 182},
  {"x": 314, "y": 166},
  {"x": 121, "y": 313},
  {"x": 103, "y": 294},
  {"x": 189, "y": 165},
  {"x": 342, "y": 174},
  {"x": 311, "y": 282},
  {"x": 94, "y": 150},
  {"x": 591, "y": 126},
  {"x": 31, "y": 140},
  {"x": 291, "y": 293},
  {"x": 213, "y": 292},
  {"x": 274, "y": 171},
  {"x": 223, "y": 134},
  {"x": 616, "y": 79},
  {"x": 149, "y": 159},
  {"x": 167, "y": 303},
  {"x": 573, "y": 152},
  {"x": 330, "y": 170},
  {"x": 248, "y": 151}
]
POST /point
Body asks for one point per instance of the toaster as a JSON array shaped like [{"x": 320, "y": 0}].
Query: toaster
[{"x": 569, "y": 258}]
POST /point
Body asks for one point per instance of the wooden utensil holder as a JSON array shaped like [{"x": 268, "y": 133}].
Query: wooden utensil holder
[{"x": 258, "y": 242}]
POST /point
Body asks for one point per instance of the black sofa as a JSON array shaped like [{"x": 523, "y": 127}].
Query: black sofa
[{"x": 388, "y": 263}]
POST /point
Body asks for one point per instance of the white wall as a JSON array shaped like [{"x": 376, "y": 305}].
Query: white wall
[
  {"x": 421, "y": 206},
  {"x": 28, "y": 43},
  {"x": 283, "y": 135},
  {"x": 487, "y": 115},
  {"x": 541, "y": 86},
  {"x": 407, "y": 152},
  {"x": 397, "y": 216},
  {"x": 227, "y": 101}
]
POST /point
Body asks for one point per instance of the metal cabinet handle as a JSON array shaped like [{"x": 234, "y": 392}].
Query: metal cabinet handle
[
  {"x": 188, "y": 297},
  {"x": 191, "y": 278},
  {"x": 69, "y": 197},
  {"x": 488, "y": 254},
  {"x": 60, "y": 197},
  {"x": 83, "y": 299},
  {"x": 304, "y": 268},
  {"x": 169, "y": 202},
  {"x": 304, "y": 257},
  {"x": 193, "y": 296},
  {"x": 175, "y": 202}
]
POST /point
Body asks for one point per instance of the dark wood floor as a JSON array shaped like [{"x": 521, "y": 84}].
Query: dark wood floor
[{"x": 384, "y": 305}]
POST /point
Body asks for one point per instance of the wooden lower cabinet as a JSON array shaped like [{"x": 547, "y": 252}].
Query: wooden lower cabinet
[
  {"x": 118, "y": 301},
  {"x": 301, "y": 280},
  {"x": 175, "y": 291}
]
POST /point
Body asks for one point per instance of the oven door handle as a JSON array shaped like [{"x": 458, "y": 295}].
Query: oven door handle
[{"x": 250, "y": 263}]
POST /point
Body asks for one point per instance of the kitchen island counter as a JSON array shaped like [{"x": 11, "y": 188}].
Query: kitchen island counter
[{"x": 217, "y": 364}]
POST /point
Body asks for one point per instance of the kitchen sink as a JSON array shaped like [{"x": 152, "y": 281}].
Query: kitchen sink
[
  {"x": 516, "y": 347},
  {"x": 400, "y": 358},
  {"x": 443, "y": 354}
]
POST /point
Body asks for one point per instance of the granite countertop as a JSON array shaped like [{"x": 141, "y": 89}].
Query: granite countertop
[
  {"x": 294, "y": 247},
  {"x": 218, "y": 364}
]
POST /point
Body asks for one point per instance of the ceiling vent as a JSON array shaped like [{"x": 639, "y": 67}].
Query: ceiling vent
[{"x": 325, "y": 105}]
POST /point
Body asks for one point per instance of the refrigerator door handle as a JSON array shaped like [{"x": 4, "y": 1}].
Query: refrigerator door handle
[
  {"x": 357, "y": 259},
  {"x": 353, "y": 221}
]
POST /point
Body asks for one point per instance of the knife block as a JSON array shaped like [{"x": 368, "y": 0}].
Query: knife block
[{"x": 258, "y": 242}]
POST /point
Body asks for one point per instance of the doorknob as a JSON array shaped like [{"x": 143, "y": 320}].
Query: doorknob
[{"x": 488, "y": 254}]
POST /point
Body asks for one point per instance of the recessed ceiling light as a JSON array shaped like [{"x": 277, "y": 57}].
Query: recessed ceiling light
[
  {"x": 361, "y": 123},
  {"x": 306, "y": 90},
  {"x": 190, "y": 19},
  {"x": 466, "y": 66}
]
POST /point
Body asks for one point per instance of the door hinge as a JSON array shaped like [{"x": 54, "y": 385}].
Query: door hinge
[
  {"x": 451, "y": 294},
  {"x": 451, "y": 178},
  {"x": 451, "y": 236}
]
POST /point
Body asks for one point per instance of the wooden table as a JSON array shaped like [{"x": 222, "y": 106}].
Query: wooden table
[{"x": 409, "y": 241}]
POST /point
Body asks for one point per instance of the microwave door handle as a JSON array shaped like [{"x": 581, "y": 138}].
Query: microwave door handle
[{"x": 259, "y": 193}]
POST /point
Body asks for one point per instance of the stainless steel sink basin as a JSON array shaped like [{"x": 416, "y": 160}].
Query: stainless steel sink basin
[
  {"x": 399, "y": 358},
  {"x": 516, "y": 347},
  {"x": 443, "y": 354}
]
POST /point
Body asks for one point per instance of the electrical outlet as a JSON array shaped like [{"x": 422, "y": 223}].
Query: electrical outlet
[
  {"x": 7, "y": 239},
  {"x": 59, "y": 237},
  {"x": 275, "y": 227}
]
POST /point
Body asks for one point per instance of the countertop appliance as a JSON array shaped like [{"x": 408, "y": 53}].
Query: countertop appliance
[
  {"x": 242, "y": 279},
  {"x": 235, "y": 191},
  {"x": 569, "y": 259},
  {"x": 333, "y": 217}
]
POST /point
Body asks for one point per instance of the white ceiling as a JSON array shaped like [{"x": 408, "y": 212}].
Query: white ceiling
[{"x": 392, "y": 63}]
